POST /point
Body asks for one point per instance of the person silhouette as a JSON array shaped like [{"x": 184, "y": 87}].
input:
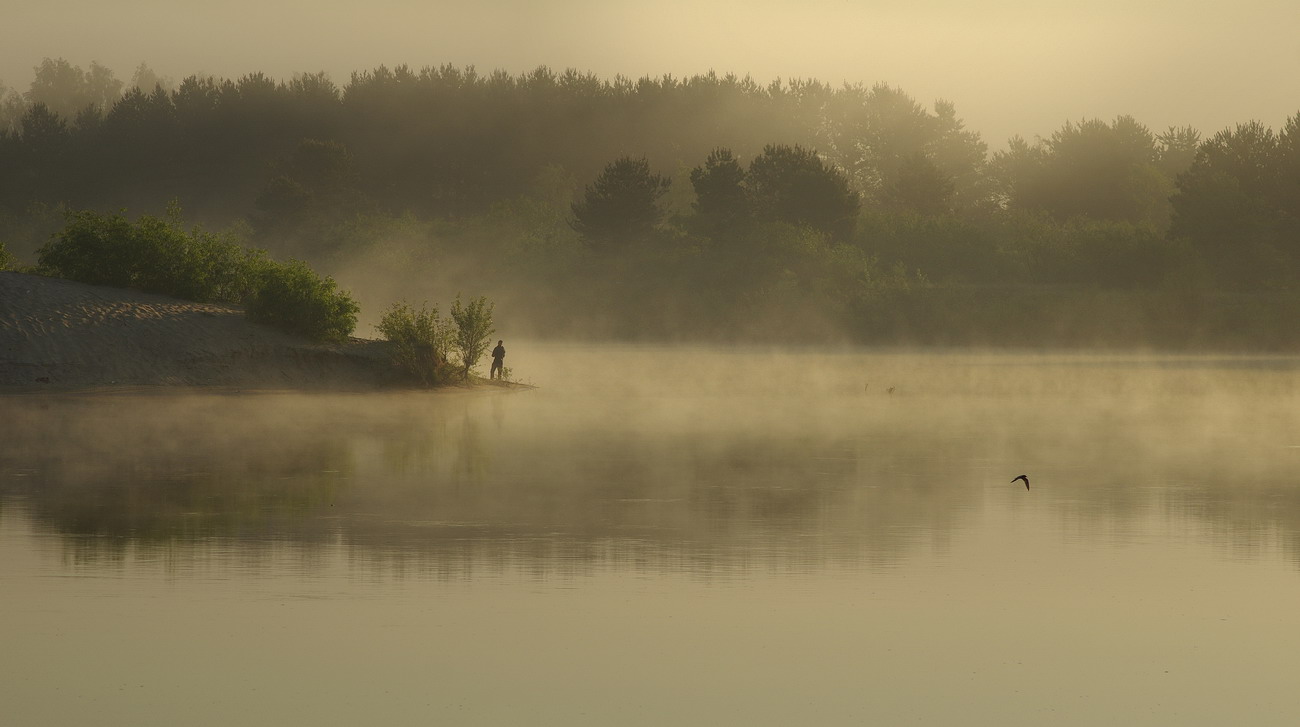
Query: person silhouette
[{"x": 498, "y": 361}]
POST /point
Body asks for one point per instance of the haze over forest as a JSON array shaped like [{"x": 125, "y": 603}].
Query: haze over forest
[
  {"x": 933, "y": 174},
  {"x": 1011, "y": 67}
]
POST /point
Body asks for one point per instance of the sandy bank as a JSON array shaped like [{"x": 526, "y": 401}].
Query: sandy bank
[{"x": 63, "y": 334}]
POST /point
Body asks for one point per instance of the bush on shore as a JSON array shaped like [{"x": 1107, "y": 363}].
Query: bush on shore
[
  {"x": 435, "y": 349},
  {"x": 157, "y": 255},
  {"x": 421, "y": 342},
  {"x": 473, "y": 327},
  {"x": 7, "y": 261},
  {"x": 292, "y": 297}
]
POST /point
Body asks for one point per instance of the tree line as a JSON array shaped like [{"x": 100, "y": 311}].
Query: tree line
[
  {"x": 442, "y": 140},
  {"x": 665, "y": 206}
]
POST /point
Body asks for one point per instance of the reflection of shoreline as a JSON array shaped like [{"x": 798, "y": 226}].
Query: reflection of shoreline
[
  {"x": 437, "y": 551},
  {"x": 65, "y": 335},
  {"x": 729, "y": 482},
  {"x": 461, "y": 526},
  {"x": 371, "y": 549},
  {"x": 447, "y": 484}
]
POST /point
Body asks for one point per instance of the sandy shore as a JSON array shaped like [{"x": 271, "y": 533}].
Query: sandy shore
[{"x": 62, "y": 334}]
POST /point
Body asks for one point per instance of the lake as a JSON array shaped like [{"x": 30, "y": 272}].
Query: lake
[{"x": 666, "y": 535}]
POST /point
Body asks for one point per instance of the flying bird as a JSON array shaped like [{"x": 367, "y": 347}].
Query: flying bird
[{"x": 1025, "y": 478}]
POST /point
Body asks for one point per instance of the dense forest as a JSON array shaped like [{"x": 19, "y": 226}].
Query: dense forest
[{"x": 702, "y": 207}]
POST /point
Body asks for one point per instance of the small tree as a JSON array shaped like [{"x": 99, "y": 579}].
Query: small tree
[
  {"x": 473, "y": 327},
  {"x": 7, "y": 260},
  {"x": 622, "y": 205},
  {"x": 421, "y": 341}
]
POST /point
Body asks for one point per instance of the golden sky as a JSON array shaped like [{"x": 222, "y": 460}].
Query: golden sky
[{"x": 1010, "y": 66}]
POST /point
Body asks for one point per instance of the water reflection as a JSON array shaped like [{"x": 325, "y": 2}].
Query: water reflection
[{"x": 712, "y": 476}]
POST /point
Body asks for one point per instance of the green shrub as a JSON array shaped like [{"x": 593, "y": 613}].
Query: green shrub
[
  {"x": 421, "y": 341},
  {"x": 92, "y": 248},
  {"x": 292, "y": 297},
  {"x": 226, "y": 272},
  {"x": 154, "y": 255},
  {"x": 473, "y": 327},
  {"x": 7, "y": 261},
  {"x": 157, "y": 255}
]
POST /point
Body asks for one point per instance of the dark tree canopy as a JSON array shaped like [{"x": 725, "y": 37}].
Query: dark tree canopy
[
  {"x": 875, "y": 135},
  {"x": 67, "y": 89},
  {"x": 792, "y": 184},
  {"x": 1239, "y": 203},
  {"x": 920, "y": 186},
  {"x": 720, "y": 200},
  {"x": 622, "y": 206},
  {"x": 446, "y": 168},
  {"x": 1176, "y": 149},
  {"x": 1089, "y": 169}
]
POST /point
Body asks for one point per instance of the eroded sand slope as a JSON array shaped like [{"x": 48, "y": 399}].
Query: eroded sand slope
[{"x": 65, "y": 334}]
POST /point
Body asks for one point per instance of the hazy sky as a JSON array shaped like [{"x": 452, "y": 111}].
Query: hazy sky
[{"x": 1010, "y": 66}]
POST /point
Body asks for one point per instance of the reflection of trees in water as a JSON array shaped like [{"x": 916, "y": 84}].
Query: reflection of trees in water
[
  {"x": 1221, "y": 466},
  {"x": 446, "y": 485},
  {"x": 456, "y": 486},
  {"x": 147, "y": 473},
  {"x": 671, "y": 503},
  {"x": 1245, "y": 516},
  {"x": 1248, "y": 516}
]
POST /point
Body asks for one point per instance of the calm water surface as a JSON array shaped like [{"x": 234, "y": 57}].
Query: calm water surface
[{"x": 665, "y": 536}]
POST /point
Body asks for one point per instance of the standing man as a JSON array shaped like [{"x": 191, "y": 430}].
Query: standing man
[{"x": 498, "y": 360}]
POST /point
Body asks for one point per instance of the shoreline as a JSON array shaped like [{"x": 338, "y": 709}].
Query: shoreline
[{"x": 60, "y": 336}]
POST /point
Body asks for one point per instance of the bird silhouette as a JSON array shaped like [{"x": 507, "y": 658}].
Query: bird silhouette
[{"x": 1025, "y": 478}]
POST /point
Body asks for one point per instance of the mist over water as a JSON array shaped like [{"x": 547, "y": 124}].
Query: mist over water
[{"x": 667, "y": 535}]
